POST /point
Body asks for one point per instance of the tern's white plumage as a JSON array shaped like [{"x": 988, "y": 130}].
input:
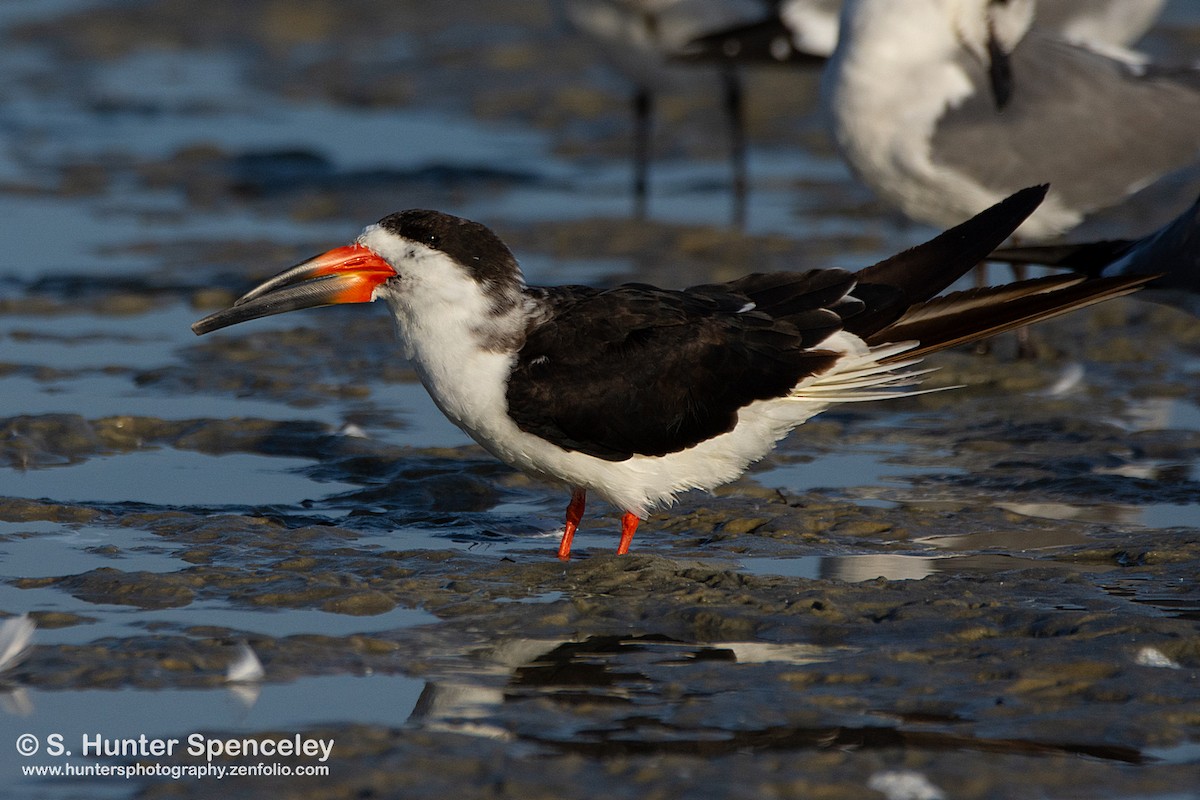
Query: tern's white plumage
[
  {"x": 811, "y": 27},
  {"x": 943, "y": 107}
]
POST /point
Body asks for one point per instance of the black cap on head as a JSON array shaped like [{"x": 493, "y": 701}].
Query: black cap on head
[{"x": 471, "y": 244}]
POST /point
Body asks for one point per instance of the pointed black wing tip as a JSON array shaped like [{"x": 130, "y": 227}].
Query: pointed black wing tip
[
  {"x": 924, "y": 270},
  {"x": 1002, "y": 219},
  {"x": 1030, "y": 196},
  {"x": 995, "y": 223},
  {"x": 1015, "y": 209}
]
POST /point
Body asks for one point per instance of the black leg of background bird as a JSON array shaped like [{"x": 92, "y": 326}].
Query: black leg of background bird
[
  {"x": 643, "y": 113},
  {"x": 1025, "y": 346},
  {"x": 984, "y": 346},
  {"x": 735, "y": 113}
]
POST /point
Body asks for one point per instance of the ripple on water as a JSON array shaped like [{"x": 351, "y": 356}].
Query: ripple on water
[
  {"x": 49, "y": 549},
  {"x": 46, "y": 549},
  {"x": 176, "y": 478},
  {"x": 857, "y": 467}
]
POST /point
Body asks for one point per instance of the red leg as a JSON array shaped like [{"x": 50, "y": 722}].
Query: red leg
[
  {"x": 574, "y": 515},
  {"x": 629, "y": 523}
]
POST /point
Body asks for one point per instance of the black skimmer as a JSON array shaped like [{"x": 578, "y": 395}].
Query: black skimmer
[{"x": 638, "y": 393}]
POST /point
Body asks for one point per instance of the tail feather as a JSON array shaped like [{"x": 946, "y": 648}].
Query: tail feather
[
  {"x": 964, "y": 317},
  {"x": 877, "y": 373}
]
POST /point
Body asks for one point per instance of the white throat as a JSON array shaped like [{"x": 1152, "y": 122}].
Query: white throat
[{"x": 459, "y": 334}]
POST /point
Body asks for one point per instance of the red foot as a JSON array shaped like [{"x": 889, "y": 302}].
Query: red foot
[
  {"x": 629, "y": 523},
  {"x": 574, "y": 515}
]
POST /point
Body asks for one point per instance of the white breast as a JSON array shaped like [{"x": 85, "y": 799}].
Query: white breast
[{"x": 474, "y": 400}]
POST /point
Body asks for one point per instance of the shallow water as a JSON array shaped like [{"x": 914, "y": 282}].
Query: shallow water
[{"x": 994, "y": 588}]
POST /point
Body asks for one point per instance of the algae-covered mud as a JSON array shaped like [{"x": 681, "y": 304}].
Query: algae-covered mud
[{"x": 989, "y": 592}]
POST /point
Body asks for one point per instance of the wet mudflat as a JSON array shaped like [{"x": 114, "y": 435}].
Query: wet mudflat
[{"x": 985, "y": 592}]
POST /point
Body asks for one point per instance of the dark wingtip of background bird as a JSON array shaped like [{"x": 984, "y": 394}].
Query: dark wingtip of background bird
[
  {"x": 767, "y": 41},
  {"x": 1000, "y": 74},
  {"x": 1087, "y": 258}
]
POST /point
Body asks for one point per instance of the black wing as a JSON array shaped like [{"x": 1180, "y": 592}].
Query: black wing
[{"x": 640, "y": 370}]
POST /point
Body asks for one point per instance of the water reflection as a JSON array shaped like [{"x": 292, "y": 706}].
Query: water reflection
[
  {"x": 597, "y": 696},
  {"x": 1161, "y": 414},
  {"x": 1010, "y": 541},
  {"x": 901, "y": 567},
  {"x": 1151, "y": 515},
  {"x": 608, "y": 670}
]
